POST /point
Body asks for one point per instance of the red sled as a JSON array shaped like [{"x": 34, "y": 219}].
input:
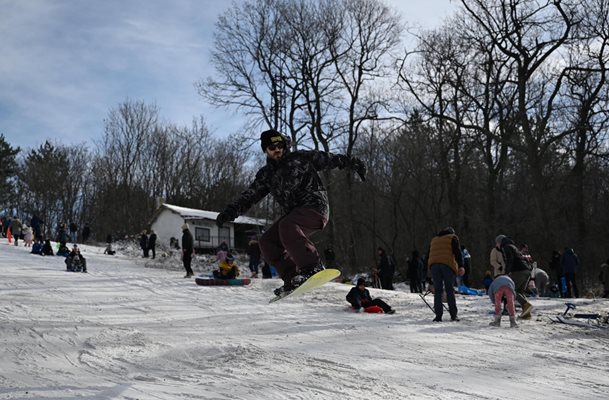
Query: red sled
[{"x": 373, "y": 309}]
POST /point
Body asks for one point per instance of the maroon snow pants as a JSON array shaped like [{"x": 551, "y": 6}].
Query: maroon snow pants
[{"x": 286, "y": 245}]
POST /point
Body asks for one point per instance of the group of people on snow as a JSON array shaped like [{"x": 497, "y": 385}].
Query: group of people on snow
[{"x": 148, "y": 243}]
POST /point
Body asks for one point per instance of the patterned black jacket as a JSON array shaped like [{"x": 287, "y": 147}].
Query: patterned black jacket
[{"x": 293, "y": 181}]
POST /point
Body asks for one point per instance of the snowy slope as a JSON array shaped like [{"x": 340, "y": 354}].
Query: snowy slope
[{"x": 124, "y": 331}]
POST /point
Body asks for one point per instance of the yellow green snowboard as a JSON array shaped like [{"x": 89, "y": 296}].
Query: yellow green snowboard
[{"x": 312, "y": 283}]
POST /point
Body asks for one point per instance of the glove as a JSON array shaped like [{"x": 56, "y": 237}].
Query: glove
[
  {"x": 222, "y": 218},
  {"x": 358, "y": 166}
]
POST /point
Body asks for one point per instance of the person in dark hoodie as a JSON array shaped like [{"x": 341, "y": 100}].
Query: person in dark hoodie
[
  {"x": 359, "y": 297},
  {"x": 569, "y": 263},
  {"x": 188, "y": 250},
  {"x": 293, "y": 180},
  {"x": 445, "y": 261},
  {"x": 517, "y": 268},
  {"x": 386, "y": 269}
]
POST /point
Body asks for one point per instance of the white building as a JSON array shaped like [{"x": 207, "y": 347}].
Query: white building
[{"x": 168, "y": 220}]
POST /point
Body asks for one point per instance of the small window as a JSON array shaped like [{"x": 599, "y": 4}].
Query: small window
[{"x": 203, "y": 234}]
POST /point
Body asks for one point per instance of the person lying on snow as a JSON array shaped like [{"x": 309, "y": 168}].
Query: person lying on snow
[
  {"x": 359, "y": 297},
  {"x": 227, "y": 268}
]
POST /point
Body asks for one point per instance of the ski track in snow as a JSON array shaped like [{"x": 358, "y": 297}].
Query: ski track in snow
[{"x": 124, "y": 331}]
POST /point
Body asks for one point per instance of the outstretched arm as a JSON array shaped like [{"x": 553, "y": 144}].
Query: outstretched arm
[
  {"x": 322, "y": 160},
  {"x": 253, "y": 194}
]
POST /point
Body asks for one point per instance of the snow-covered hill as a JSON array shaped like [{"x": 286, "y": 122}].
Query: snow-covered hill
[{"x": 124, "y": 331}]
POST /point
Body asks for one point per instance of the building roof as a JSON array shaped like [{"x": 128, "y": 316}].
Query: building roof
[{"x": 192, "y": 213}]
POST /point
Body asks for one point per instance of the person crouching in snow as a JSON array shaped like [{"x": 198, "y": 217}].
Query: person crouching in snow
[
  {"x": 503, "y": 286},
  {"x": 360, "y": 297},
  {"x": 227, "y": 268}
]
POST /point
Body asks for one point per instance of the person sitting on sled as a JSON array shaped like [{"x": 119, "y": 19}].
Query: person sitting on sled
[
  {"x": 292, "y": 178},
  {"x": 227, "y": 268},
  {"x": 75, "y": 262},
  {"x": 503, "y": 287},
  {"x": 359, "y": 297},
  {"x": 63, "y": 250}
]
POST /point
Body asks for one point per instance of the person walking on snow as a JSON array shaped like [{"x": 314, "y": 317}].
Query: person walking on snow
[
  {"x": 188, "y": 249},
  {"x": 292, "y": 179}
]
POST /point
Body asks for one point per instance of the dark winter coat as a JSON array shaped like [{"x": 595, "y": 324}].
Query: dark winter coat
[
  {"x": 386, "y": 266},
  {"x": 16, "y": 227},
  {"x": 253, "y": 250},
  {"x": 37, "y": 248},
  {"x": 62, "y": 235},
  {"x": 555, "y": 263},
  {"x": 187, "y": 242},
  {"x": 152, "y": 241},
  {"x": 569, "y": 261},
  {"x": 514, "y": 260},
  {"x": 358, "y": 298},
  {"x": 86, "y": 232},
  {"x": 76, "y": 260},
  {"x": 415, "y": 265},
  {"x": 293, "y": 181},
  {"x": 36, "y": 224},
  {"x": 144, "y": 241},
  {"x": 47, "y": 249}
]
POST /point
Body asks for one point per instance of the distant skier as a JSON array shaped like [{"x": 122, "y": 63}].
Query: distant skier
[{"x": 292, "y": 178}]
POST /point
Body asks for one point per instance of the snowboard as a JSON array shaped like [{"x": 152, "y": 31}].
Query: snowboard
[{"x": 310, "y": 284}]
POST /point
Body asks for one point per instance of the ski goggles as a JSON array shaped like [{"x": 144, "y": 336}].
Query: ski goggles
[{"x": 275, "y": 146}]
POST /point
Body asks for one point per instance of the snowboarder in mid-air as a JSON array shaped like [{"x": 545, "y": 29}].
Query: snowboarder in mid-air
[{"x": 292, "y": 178}]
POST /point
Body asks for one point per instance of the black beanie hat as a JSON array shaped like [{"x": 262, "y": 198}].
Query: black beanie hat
[{"x": 270, "y": 137}]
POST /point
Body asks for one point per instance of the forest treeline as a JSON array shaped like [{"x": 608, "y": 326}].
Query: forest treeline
[{"x": 493, "y": 123}]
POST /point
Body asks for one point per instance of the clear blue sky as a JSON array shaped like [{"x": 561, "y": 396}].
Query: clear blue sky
[{"x": 65, "y": 63}]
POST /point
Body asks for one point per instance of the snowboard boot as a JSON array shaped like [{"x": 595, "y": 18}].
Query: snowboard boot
[
  {"x": 306, "y": 273},
  {"x": 513, "y": 323},
  {"x": 526, "y": 311},
  {"x": 497, "y": 321},
  {"x": 283, "y": 290}
]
